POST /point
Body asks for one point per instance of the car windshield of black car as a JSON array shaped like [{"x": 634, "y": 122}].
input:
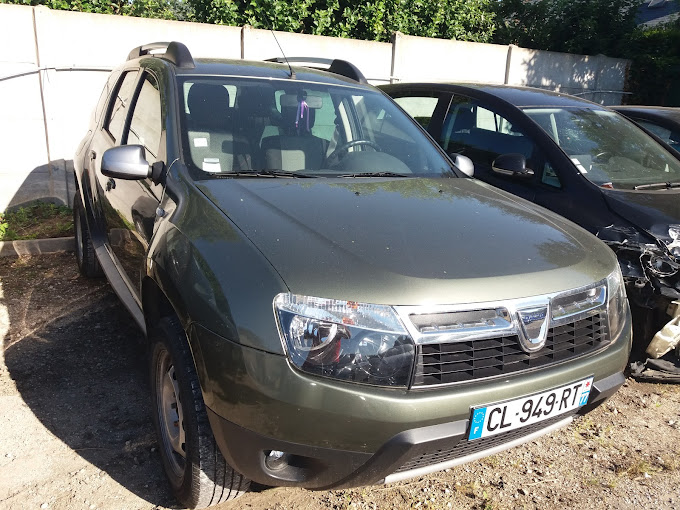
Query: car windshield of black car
[{"x": 606, "y": 148}]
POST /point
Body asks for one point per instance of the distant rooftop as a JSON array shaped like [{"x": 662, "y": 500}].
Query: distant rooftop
[{"x": 655, "y": 12}]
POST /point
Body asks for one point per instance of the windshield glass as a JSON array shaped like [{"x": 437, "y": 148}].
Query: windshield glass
[
  {"x": 607, "y": 149},
  {"x": 241, "y": 127}
]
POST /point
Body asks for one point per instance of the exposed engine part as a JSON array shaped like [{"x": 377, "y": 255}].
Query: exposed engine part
[
  {"x": 652, "y": 276},
  {"x": 668, "y": 338}
]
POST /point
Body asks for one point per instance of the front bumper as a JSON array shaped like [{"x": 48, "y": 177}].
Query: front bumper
[
  {"x": 339, "y": 435},
  {"x": 411, "y": 453}
]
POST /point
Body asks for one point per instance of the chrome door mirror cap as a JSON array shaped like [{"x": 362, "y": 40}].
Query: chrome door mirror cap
[{"x": 126, "y": 162}]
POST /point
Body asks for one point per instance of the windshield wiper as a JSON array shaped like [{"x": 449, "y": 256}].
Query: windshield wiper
[
  {"x": 376, "y": 174},
  {"x": 264, "y": 173},
  {"x": 667, "y": 185}
]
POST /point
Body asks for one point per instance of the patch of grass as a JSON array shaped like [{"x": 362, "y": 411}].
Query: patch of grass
[
  {"x": 38, "y": 221},
  {"x": 637, "y": 467}
]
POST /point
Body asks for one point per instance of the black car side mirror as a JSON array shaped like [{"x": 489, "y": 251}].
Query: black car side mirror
[
  {"x": 126, "y": 162},
  {"x": 514, "y": 165}
]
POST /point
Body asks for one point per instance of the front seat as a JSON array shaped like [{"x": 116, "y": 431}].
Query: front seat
[
  {"x": 213, "y": 145},
  {"x": 296, "y": 148}
]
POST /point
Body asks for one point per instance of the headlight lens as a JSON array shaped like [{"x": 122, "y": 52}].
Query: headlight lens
[
  {"x": 345, "y": 340},
  {"x": 617, "y": 306}
]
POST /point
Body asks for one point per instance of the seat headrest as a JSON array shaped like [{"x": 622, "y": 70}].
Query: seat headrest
[{"x": 208, "y": 105}]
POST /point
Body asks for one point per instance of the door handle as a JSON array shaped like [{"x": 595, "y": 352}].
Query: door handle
[
  {"x": 93, "y": 155},
  {"x": 110, "y": 184}
]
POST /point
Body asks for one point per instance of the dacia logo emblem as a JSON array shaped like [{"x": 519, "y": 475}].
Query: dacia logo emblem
[{"x": 533, "y": 327}]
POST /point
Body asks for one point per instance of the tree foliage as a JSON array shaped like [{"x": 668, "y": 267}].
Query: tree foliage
[
  {"x": 574, "y": 26},
  {"x": 376, "y": 20},
  {"x": 469, "y": 20},
  {"x": 654, "y": 75},
  {"x": 164, "y": 9}
]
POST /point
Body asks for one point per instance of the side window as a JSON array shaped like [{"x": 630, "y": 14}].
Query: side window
[
  {"x": 146, "y": 123},
  {"x": 420, "y": 108},
  {"x": 119, "y": 105},
  {"x": 99, "y": 109},
  {"x": 482, "y": 134},
  {"x": 550, "y": 177}
]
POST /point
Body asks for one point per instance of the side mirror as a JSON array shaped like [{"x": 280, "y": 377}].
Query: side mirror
[
  {"x": 514, "y": 165},
  {"x": 126, "y": 162},
  {"x": 464, "y": 164}
]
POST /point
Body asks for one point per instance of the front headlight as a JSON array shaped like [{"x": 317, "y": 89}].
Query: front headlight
[
  {"x": 345, "y": 340},
  {"x": 617, "y": 306}
]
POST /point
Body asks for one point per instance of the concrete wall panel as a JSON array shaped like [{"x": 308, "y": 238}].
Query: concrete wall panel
[{"x": 424, "y": 59}]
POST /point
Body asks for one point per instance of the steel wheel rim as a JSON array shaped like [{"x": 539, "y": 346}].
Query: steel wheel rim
[{"x": 170, "y": 415}]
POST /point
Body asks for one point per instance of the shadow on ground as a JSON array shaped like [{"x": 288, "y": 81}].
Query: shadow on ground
[{"x": 82, "y": 372}]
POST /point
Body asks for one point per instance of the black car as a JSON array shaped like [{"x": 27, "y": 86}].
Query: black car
[
  {"x": 576, "y": 158},
  {"x": 661, "y": 121}
]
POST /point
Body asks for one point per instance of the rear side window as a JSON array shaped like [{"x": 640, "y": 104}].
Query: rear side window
[
  {"x": 120, "y": 104},
  {"x": 146, "y": 123}
]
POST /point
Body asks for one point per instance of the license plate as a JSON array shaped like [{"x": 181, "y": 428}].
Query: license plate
[{"x": 498, "y": 418}]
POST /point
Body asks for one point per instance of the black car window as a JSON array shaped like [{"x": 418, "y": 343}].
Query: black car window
[
  {"x": 669, "y": 136},
  {"x": 549, "y": 176},
  {"x": 119, "y": 106},
  {"x": 145, "y": 125},
  {"x": 482, "y": 134},
  {"x": 420, "y": 107}
]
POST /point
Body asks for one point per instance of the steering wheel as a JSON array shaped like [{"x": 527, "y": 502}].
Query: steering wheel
[
  {"x": 335, "y": 155},
  {"x": 602, "y": 157}
]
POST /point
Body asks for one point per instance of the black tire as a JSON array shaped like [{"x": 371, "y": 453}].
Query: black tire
[
  {"x": 198, "y": 473},
  {"x": 85, "y": 255}
]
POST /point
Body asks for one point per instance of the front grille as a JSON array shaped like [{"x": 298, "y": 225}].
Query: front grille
[
  {"x": 457, "y": 362},
  {"x": 463, "y": 447}
]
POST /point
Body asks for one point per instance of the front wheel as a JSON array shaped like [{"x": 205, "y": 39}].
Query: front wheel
[{"x": 197, "y": 471}]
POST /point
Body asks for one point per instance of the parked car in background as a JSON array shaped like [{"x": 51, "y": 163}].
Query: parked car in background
[
  {"x": 578, "y": 159},
  {"x": 328, "y": 301},
  {"x": 661, "y": 121}
]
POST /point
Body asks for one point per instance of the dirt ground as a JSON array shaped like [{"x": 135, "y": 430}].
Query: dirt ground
[{"x": 76, "y": 432}]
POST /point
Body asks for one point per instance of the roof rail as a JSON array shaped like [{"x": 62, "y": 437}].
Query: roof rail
[
  {"x": 175, "y": 52},
  {"x": 335, "y": 66}
]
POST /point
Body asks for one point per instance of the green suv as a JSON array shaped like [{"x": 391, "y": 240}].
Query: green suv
[{"x": 328, "y": 300}]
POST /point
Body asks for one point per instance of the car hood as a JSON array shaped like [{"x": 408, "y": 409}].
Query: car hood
[
  {"x": 409, "y": 240},
  {"x": 651, "y": 211}
]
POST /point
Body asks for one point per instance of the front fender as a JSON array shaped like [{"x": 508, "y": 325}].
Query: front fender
[{"x": 213, "y": 275}]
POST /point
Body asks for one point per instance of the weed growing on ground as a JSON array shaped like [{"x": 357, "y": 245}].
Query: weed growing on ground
[{"x": 38, "y": 221}]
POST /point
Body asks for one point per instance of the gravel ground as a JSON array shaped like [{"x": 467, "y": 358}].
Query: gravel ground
[{"x": 77, "y": 433}]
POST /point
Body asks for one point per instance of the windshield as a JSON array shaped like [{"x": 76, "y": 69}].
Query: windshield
[
  {"x": 607, "y": 149},
  {"x": 249, "y": 127}
]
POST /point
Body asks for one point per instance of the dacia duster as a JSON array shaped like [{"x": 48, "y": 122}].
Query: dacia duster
[{"x": 328, "y": 300}]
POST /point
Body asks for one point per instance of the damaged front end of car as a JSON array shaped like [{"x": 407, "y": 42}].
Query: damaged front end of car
[{"x": 650, "y": 264}]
